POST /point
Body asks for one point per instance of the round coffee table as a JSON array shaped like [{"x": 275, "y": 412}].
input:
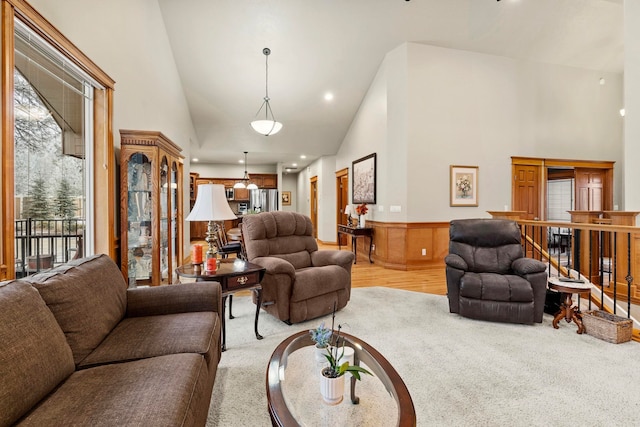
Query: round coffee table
[
  {"x": 293, "y": 388},
  {"x": 567, "y": 309}
]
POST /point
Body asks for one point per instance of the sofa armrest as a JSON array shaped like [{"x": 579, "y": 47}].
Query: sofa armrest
[
  {"x": 188, "y": 297},
  {"x": 456, "y": 261},
  {"x": 332, "y": 257},
  {"x": 275, "y": 265},
  {"x": 524, "y": 266}
]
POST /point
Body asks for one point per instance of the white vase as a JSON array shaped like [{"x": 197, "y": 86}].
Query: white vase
[
  {"x": 361, "y": 221},
  {"x": 332, "y": 389},
  {"x": 320, "y": 354}
]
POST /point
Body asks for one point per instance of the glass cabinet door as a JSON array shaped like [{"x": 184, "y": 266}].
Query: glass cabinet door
[
  {"x": 139, "y": 214},
  {"x": 164, "y": 221},
  {"x": 174, "y": 217}
]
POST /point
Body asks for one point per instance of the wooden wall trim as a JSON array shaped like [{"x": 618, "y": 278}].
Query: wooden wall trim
[
  {"x": 6, "y": 174},
  {"x": 52, "y": 35},
  {"x": 398, "y": 245}
]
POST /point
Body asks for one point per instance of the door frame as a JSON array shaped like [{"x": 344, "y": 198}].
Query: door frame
[
  {"x": 342, "y": 199},
  {"x": 313, "y": 208},
  {"x": 544, "y": 164}
]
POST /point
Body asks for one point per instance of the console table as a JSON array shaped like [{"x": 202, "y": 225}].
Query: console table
[
  {"x": 233, "y": 275},
  {"x": 356, "y": 232}
]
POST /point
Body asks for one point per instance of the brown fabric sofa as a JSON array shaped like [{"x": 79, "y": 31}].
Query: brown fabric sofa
[
  {"x": 79, "y": 348},
  {"x": 488, "y": 276},
  {"x": 300, "y": 282}
]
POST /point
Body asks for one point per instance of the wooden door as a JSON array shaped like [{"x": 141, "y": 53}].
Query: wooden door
[
  {"x": 590, "y": 189},
  {"x": 526, "y": 190},
  {"x": 342, "y": 199},
  {"x": 313, "y": 196}
]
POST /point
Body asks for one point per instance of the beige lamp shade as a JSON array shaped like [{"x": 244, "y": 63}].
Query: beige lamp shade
[{"x": 211, "y": 204}]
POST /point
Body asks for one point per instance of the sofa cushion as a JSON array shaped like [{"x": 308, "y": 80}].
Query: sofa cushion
[
  {"x": 158, "y": 391},
  {"x": 88, "y": 299},
  {"x": 273, "y": 233},
  {"x": 141, "y": 337},
  {"x": 314, "y": 281},
  {"x": 299, "y": 260},
  {"x": 496, "y": 287},
  {"x": 34, "y": 354}
]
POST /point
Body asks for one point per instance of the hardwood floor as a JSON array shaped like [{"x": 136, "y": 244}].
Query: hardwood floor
[{"x": 365, "y": 274}]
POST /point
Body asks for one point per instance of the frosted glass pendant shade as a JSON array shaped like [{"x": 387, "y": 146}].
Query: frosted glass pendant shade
[{"x": 266, "y": 127}]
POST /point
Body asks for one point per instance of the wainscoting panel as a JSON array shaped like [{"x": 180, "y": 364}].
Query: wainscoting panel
[{"x": 399, "y": 245}]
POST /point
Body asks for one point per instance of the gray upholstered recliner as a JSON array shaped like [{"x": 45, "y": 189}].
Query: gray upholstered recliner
[
  {"x": 301, "y": 282},
  {"x": 488, "y": 277}
]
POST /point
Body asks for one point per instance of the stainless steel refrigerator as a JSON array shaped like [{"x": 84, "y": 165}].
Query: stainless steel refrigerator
[{"x": 262, "y": 200}]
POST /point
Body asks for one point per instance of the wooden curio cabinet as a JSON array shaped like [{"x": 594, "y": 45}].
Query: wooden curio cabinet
[{"x": 151, "y": 207}]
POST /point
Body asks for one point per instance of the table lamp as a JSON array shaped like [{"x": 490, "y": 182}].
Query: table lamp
[{"x": 211, "y": 205}]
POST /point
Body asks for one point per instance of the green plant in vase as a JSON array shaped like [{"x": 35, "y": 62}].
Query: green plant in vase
[{"x": 322, "y": 336}]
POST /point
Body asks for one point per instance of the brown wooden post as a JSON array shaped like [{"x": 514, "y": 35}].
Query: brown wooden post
[
  {"x": 621, "y": 264},
  {"x": 588, "y": 267}
]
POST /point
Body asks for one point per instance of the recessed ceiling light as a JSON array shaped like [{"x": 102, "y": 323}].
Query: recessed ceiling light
[
  {"x": 602, "y": 81},
  {"x": 195, "y": 160},
  {"x": 240, "y": 161},
  {"x": 303, "y": 156},
  {"x": 294, "y": 164},
  {"x": 328, "y": 96}
]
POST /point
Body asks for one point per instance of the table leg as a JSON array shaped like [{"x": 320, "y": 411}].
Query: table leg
[
  {"x": 224, "y": 329},
  {"x": 354, "y": 399},
  {"x": 559, "y": 315},
  {"x": 354, "y": 243},
  {"x": 230, "y": 304},
  {"x": 258, "y": 305}
]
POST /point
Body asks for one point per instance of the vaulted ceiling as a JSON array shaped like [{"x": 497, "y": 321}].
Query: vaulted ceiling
[{"x": 336, "y": 46}]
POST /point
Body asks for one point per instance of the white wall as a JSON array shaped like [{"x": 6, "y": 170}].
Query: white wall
[
  {"x": 290, "y": 183},
  {"x": 450, "y": 107},
  {"x": 632, "y": 104},
  {"x": 368, "y": 134},
  {"x": 128, "y": 41}
]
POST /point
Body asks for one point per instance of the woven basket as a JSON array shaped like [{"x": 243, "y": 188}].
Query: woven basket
[{"x": 608, "y": 327}]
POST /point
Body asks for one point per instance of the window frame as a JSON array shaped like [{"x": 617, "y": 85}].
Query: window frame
[{"x": 100, "y": 156}]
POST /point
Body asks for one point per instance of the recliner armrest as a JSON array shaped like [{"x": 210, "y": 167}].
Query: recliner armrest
[
  {"x": 275, "y": 265},
  {"x": 524, "y": 266},
  {"x": 184, "y": 298},
  {"x": 332, "y": 257},
  {"x": 456, "y": 261}
]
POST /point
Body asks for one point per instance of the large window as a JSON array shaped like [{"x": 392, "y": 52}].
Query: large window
[
  {"x": 57, "y": 159},
  {"x": 52, "y": 104}
]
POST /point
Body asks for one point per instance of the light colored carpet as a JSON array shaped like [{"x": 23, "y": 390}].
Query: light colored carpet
[{"x": 460, "y": 372}]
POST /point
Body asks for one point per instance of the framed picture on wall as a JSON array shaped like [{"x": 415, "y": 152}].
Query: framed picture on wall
[
  {"x": 364, "y": 180},
  {"x": 463, "y": 185},
  {"x": 286, "y": 198}
]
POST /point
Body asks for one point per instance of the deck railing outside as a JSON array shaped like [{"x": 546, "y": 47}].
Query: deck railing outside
[{"x": 44, "y": 243}]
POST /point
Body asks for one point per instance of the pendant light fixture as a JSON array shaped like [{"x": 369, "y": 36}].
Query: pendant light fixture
[
  {"x": 245, "y": 183},
  {"x": 268, "y": 125}
]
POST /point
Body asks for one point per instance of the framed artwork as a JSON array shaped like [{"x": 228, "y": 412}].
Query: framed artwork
[
  {"x": 286, "y": 198},
  {"x": 463, "y": 185},
  {"x": 364, "y": 180}
]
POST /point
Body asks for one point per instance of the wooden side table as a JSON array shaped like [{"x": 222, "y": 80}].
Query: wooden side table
[
  {"x": 233, "y": 275},
  {"x": 567, "y": 309},
  {"x": 356, "y": 232}
]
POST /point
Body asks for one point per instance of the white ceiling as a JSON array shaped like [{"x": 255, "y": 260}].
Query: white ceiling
[{"x": 337, "y": 46}]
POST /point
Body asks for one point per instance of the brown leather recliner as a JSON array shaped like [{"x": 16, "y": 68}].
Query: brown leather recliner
[
  {"x": 488, "y": 276},
  {"x": 301, "y": 282}
]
